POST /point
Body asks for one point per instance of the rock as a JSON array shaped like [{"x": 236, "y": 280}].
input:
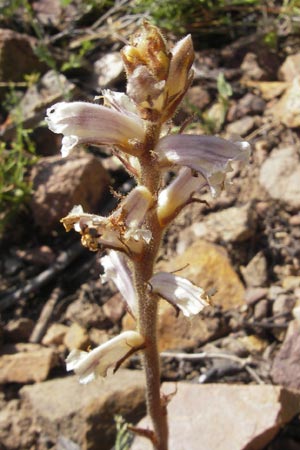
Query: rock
[
  {"x": 290, "y": 68},
  {"x": 291, "y": 282},
  {"x": 254, "y": 344},
  {"x": 249, "y": 104},
  {"x": 198, "y": 97},
  {"x": 253, "y": 295},
  {"x": 287, "y": 109},
  {"x": 17, "y": 430},
  {"x": 280, "y": 174},
  {"x": 59, "y": 184},
  {"x": 261, "y": 309},
  {"x": 76, "y": 338},
  {"x": 26, "y": 363},
  {"x": 55, "y": 334},
  {"x": 241, "y": 127},
  {"x": 51, "y": 88},
  {"x": 255, "y": 273},
  {"x": 208, "y": 266},
  {"x": 21, "y": 47},
  {"x": 282, "y": 306},
  {"x": 85, "y": 413},
  {"x": 200, "y": 416},
  {"x": 109, "y": 70},
  {"x": 19, "y": 330},
  {"x": 235, "y": 224},
  {"x": 269, "y": 89},
  {"x": 86, "y": 314},
  {"x": 115, "y": 308},
  {"x": 251, "y": 68},
  {"x": 286, "y": 364}
]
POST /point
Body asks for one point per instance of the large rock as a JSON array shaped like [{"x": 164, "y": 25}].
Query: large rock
[
  {"x": 290, "y": 68},
  {"x": 286, "y": 364},
  {"x": 226, "y": 417},
  {"x": 60, "y": 183},
  {"x": 280, "y": 175},
  {"x": 85, "y": 413},
  {"x": 25, "y": 363}
]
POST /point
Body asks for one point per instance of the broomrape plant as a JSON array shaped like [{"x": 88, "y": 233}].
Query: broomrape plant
[{"x": 135, "y": 125}]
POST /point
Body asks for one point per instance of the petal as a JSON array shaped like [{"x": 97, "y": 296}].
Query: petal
[
  {"x": 179, "y": 291},
  {"x": 208, "y": 155},
  {"x": 89, "y": 365},
  {"x": 116, "y": 269},
  {"x": 87, "y": 123},
  {"x": 135, "y": 206},
  {"x": 176, "y": 195}
]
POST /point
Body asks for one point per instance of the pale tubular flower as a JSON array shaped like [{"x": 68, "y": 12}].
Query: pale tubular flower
[
  {"x": 120, "y": 102},
  {"x": 87, "y": 123},
  {"x": 116, "y": 269},
  {"x": 89, "y": 365},
  {"x": 208, "y": 155},
  {"x": 122, "y": 230},
  {"x": 180, "y": 292},
  {"x": 177, "y": 194}
]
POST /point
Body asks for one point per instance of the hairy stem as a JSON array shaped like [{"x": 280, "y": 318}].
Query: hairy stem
[{"x": 148, "y": 302}]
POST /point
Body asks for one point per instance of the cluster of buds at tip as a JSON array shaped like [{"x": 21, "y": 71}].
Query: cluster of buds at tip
[{"x": 157, "y": 80}]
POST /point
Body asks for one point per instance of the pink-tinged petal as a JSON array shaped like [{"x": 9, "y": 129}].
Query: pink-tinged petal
[
  {"x": 90, "y": 365},
  {"x": 87, "y": 123},
  {"x": 179, "y": 291},
  {"x": 209, "y": 155},
  {"x": 177, "y": 194},
  {"x": 120, "y": 102},
  {"x": 116, "y": 269}
]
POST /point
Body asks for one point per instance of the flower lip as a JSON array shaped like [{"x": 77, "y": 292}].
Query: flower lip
[
  {"x": 180, "y": 292},
  {"x": 87, "y": 123},
  {"x": 209, "y": 155},
  {"x": 90, "y": 365}
]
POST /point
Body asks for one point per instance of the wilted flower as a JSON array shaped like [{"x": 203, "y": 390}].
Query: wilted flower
[
  {"x": 90, "y": 365},
  {"x": 180, "y": 292},
  {"x": 122, "y": 230},
  {"x": 87, "y": 123},
  {"x": 117, "y": 270},
  {"x": 209, "y": 155}
]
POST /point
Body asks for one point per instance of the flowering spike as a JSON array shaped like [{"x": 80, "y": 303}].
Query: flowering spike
[
  {"x": 179, "y": 291},
  {"x": 87, "y": 123},
  {"x": 90, "y": 365}
]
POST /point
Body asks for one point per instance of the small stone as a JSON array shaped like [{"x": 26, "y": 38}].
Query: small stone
[
  {"x": 201, "y": 415},
  {"x": 251, "y": 68},
  {"x": 290, "y": 68},
  {"x": 255, "y": 273},
  {"x": 198, "y": 97},
  {"x": 241, "y": 127},
  {"x": 291, "y": 282},
  {"x": 287, "y": 109},
  {"x": 86, "y": 314},
  {"x": 254, "y": 344},
  {"x": 271, "y": 89},
  {"x": 19, "y": 330},
  {"x": 235, "y": 224},
  {"x": 253, "y": 295},
  {"x": 76, "y": 338},
  {"x": 282, "y": 306},
  {"x": 109, "y": 70},
  {"x": 261, "y": 310},
  {"x": 280, "y": 175},
  {"x": 26, "y": 364},
  {"x": 55, "y": 334}
]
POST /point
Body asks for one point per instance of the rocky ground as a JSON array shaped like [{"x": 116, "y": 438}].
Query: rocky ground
[{"x": 236, "y": 366}]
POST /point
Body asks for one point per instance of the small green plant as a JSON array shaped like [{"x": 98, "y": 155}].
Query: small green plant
[
  {"x": 15, "y": 160},
  {"x": 76, "y": 59},
  {"x": 124, "y": 436}
]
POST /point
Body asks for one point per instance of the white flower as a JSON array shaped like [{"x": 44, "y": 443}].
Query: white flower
[
  {"x": 177, "y": 194},
  {"x": 117, "y": 270},
  {"x": 179, "y": 291},
  {"x": 90, "y": 365},
  {"x": 208, "y": 155},
  {"x": 87, "y": 123},
  {"x": 122, "y": 230}
]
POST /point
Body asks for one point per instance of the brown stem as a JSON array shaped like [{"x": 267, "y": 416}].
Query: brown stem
[{"x": 148, "y": 302}]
